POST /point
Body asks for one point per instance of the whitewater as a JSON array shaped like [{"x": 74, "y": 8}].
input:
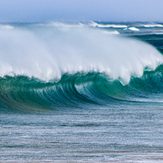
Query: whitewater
[
  {"x": 84, "y": 91},
  {"x": 48, "y": 52}
]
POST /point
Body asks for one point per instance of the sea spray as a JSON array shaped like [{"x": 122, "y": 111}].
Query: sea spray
[{"x": 48, "y": 52}]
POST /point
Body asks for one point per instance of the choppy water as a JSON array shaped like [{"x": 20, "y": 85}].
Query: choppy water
[{"x": 81, "y": 92}]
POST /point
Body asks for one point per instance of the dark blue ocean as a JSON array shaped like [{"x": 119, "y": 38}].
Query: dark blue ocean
[{"x": 81, "y": 92}]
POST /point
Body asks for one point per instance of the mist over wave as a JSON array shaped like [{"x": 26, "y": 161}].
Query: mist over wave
[{"x": 47, "y": 52}]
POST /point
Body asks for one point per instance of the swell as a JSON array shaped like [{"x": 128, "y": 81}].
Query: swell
[{"x": 79, "y": 90}]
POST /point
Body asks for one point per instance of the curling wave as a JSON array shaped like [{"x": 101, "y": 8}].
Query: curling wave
[
  {"x": 68, "y": 66},
  {"x": 22, "y": 92}
]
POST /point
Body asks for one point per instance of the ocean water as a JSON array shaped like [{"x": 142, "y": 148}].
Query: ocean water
[{"x": 81, "y": 92}]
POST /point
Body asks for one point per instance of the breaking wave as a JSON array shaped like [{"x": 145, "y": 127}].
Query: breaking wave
[{"x": 69, "y": 66}]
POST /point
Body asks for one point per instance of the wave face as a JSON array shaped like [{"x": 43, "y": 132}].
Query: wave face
[{"x": 61, "y": 65}]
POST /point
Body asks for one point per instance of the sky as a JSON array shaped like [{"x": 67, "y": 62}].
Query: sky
[{"x": 80, "y": 10}]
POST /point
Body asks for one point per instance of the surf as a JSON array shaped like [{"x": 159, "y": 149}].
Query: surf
[{"x": 56, "y": 65}]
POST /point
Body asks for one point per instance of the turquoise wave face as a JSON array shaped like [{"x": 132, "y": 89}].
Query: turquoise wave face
[{"x": 78, "y": 90}]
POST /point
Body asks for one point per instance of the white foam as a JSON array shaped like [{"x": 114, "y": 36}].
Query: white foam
[
  {"x": 152, "y": 25},
  {"x": 134, "y": 29},
  {"x": 48, "y": 53},
  {"x": 94, "y": 24},
  {"x": 111, "y": 26}
]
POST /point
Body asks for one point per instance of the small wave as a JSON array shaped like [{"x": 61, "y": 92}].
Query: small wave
[
  {"x": 94, "y": 24},
  {"x": 158, "y": 32},
  {"x": 133, "y": 28},
  {"x": 152, "y": 25}
]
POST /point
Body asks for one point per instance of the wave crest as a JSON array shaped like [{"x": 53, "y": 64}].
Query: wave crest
[{"x": 48, "y": 52}]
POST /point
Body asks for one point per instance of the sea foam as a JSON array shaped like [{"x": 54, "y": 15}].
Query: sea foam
[{"x": 47, "y": 52}]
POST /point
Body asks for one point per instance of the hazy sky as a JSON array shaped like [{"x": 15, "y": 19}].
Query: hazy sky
[{"x": 78, "y": 10}]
